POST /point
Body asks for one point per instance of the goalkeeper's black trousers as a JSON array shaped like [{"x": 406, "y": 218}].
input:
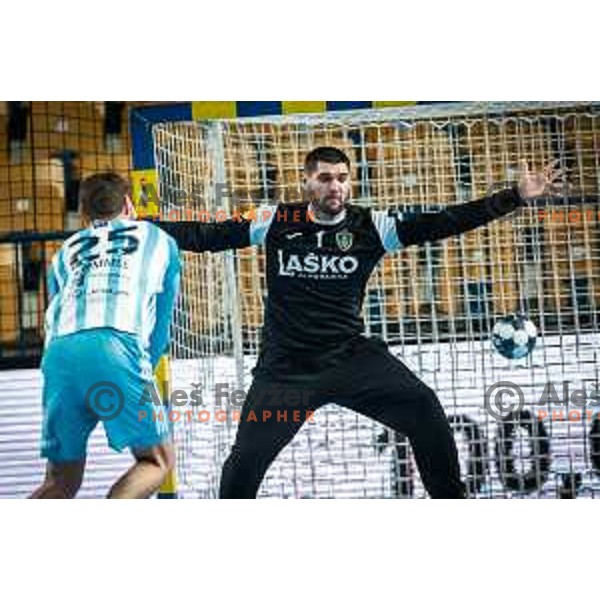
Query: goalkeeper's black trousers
[{"x": 370, "y": 381}]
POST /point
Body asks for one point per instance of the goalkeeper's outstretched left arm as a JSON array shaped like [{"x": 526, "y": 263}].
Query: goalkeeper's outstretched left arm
[{"x": 456, "y": 220}]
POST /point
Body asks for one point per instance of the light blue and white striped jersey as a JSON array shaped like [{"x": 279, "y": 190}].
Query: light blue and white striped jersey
[{"x": 122, "y": 274}]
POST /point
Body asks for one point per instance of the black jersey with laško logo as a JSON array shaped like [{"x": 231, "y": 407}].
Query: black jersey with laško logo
[{"x": 317, "y": 272}]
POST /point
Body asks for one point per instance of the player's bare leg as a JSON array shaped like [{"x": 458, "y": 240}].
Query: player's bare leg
[
  {"x": 62, "y": 481},
  {"x": 147, "y": 474}
]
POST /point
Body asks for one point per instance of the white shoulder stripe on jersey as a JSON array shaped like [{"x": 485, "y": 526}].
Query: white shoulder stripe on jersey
[
  {"x": 386, "y": 227},
  {"x": 259, "y": 227}
]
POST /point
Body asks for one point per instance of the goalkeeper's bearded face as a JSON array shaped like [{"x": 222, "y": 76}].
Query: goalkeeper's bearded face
[{"x": 328, "y": 187}]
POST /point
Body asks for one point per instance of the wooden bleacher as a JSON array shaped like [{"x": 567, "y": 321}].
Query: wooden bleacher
[{"x": 32, "y": 197}]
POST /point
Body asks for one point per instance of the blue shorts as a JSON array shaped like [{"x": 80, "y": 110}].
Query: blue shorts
[{"x": 98, "y": 375}]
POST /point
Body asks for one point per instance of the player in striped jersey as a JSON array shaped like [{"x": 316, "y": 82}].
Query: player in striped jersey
[{"x": 112, "y": 289}]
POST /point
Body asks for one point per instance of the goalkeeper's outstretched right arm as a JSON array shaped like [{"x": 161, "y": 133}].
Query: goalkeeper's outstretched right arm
[
  {"x": 239, "y": 232},
  {"x": 195, "y": 236}
]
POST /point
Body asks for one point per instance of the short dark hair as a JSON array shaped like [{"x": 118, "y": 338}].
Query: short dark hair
[
  {"x": 326, "y": 154},
  {"x": 102, "y": 195}
]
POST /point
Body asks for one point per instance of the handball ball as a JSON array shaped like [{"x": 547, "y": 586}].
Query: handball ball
[{"x": 514, "y": 336}]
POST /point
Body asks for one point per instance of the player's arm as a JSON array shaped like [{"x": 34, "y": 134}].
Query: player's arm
[
  {"x": 165, "y": 304},
  {"x": 399, "y": 230},
  {"x": 417, "y": 229},
  {"x": 55, "y": 275},
  {"x": 456, "y": 220},
  {"x": 238, "y": 232}
]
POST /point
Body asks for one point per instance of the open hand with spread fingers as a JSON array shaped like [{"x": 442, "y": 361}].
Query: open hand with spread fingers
[{"x": 532, "y": 185}]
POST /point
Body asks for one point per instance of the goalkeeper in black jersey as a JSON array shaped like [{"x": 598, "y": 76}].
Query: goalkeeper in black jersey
[{"x": 319, "y": 256}]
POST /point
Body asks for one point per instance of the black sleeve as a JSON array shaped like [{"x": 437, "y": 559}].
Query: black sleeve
[
  {"x": 196, "y": 236},
  {"x": 455, "y": 220}
]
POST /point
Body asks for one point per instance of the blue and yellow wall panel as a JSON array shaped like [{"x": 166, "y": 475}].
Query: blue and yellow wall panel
[
  {"x": 144, "y": 192},
  {"x": 214, "y": 110},
  {"x": 229, "y": 109},
  {"x": 142, "y": 119}
]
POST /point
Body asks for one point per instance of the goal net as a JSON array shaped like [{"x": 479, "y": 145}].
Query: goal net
[{"x": 436, "y": 305}]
